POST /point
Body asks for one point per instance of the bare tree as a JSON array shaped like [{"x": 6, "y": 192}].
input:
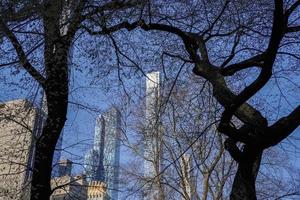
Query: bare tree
[
  {"x": 222, "y": 40},
  {"x": 59, "y": 21},
  {"x": 237, "y": 47}
]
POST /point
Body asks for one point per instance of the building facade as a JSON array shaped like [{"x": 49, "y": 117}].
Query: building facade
[
  {"x": 153, "y": 150},
  {"x": 69, "y": 188},
  {"x": 19, "y": 123},
  {"x": 97, "y": 190},
  {"x": 102, "y": 162},
  {"x": 64, "y": 168}
]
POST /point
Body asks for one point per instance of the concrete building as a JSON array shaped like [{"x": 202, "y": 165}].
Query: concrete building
[
  {"x": 64, "y": 168},
  {"x": 97, "y": 190},
  {"x": 69, "y": 188},
  {"x": 19, "y": 123},
  {"x": 152, "y": 134}
]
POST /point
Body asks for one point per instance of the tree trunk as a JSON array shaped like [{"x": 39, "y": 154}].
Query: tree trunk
[
  {"x": 244, "y": 181},
  {"x": 57, "y": 103},
  {"x": 45, "y": 147},
  {"x": 44, "y": 151}
]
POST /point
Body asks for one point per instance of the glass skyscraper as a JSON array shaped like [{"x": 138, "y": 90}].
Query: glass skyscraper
[
  {"x": 153, "y": 135},
  {"x": 102, "y": 161},
  {"x": 152, "y": 110}
]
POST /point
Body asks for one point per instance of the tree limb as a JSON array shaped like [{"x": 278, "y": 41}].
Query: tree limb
[{"x": 21, "y": 54}]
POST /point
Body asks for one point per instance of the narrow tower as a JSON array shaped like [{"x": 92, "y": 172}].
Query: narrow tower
[
  {"x": 153, "y": 137},
  {"x": 102, "y": 161}
]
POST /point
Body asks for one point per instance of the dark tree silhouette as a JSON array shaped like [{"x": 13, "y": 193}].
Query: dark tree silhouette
[{"x": 272, "y": 23}]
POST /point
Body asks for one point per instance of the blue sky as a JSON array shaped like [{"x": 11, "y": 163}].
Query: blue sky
[{"x": 87, "y": 89}]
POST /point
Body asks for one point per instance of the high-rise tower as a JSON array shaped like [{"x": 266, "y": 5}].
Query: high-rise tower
[
  {"x": 102, "y": 161},
  {"x": 111, "y": 158},
  {"x": 153, "y": 137}
]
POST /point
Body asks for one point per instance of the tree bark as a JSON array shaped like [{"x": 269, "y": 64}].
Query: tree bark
[
  {"x": 45, "y": 145},
  {"x": 57, "y": 103},
  {"x": 41, "y": 188},
  {"x": 244, "y": 181}
]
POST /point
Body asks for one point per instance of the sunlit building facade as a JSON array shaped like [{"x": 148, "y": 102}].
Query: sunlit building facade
[
  {"x": 20, "y": 123},
  {"x": 97, "y": 190},
  {"x": 153, "y": 135},
  {"x": 69, "y": 188}
]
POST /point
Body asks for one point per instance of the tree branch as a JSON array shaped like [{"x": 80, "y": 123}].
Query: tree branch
[
  {"x": 279, "y": 24},
  {"x": 292, "y": 29},
  {"x": 282, "y": 128},
  {"x": 235, "y": 152},
  {"x": 292, "y": 8},
  {"x": 251, "y": 62},
  {"x": 21, "y": 54}
]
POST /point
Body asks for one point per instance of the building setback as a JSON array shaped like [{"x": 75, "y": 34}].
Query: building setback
[{"x": 102, "y": 162}]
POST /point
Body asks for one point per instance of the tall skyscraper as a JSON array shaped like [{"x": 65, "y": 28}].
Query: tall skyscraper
[
  {"x": 93, "y": 165},
  {"x": 111, "y": 158},
  {"x": 20, "y": 123},
  {"x": 153, "y": 136},
  {"x": 102, "y": 161}
]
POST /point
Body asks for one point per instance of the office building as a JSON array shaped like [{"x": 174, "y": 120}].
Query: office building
[
  {"x": 97, "y": 190},
  {"x": 69, "y": 188},
  {"x": 20, "y": 121},
  {"x": 102, "y": 161},
  {"x": 153, "y": 137},
  {"x": 93, "y": 165},
  {"x": 64, "y": 168}
]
